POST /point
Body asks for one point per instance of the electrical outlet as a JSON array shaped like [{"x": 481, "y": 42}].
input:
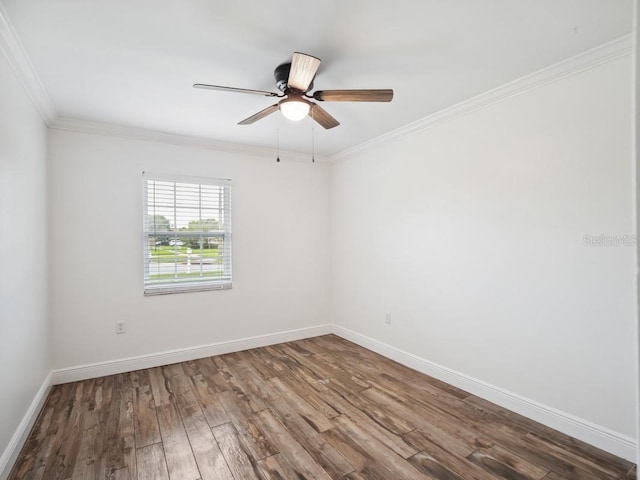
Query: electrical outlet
[
  {"x": 120, "y": 327},
  {"x": 387, "y": 317}
]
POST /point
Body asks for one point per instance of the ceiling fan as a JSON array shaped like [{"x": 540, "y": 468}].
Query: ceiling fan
[{"x": 295, "y": 80}]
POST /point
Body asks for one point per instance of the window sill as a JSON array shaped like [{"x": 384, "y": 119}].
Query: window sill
[{"x": 171, "y": 289}]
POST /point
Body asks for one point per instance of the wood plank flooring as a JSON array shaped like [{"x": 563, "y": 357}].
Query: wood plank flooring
[{"x": 321, "y": 408}]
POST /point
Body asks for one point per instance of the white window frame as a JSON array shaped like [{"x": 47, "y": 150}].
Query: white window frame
[{"x": 180, "y": 285}]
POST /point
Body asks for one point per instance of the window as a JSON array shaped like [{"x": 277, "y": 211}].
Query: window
[{"x": 187, "y": 234}]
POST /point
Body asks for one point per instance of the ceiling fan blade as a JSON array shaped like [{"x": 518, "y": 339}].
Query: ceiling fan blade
[
  {"x": 380, "y": 95},
  {"x": 233, "y": 89},
  {"x": 303, "y": 69},
  {"x": 321, "y": 116},
  {"x": 261, "y": 114}
]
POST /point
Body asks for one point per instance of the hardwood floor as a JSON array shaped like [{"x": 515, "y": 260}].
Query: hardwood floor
[{"x": 321, "y": 408}]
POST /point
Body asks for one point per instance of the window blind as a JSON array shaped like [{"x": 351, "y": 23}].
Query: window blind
[{"x": 187, "y": 234}]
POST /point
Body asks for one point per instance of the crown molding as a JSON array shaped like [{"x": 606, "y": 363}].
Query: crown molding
[
  {"x": 14, "y": 52},
  {"x": 136, "y": 133},
  {"x": 583, "y": 61}
]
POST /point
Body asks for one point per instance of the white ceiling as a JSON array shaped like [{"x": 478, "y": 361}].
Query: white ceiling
[{"x": 132, "y": 63}]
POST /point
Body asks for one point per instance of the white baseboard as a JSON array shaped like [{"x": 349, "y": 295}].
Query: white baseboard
[
  {"x": 598, "y": 436},
  {"x": 20, "y": 436},
  {"x": 94, "y": 370}
]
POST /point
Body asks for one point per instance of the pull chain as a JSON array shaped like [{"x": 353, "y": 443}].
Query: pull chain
[
  {"x": 278, "y": 137},
  {"x": 313, "y": 137}
]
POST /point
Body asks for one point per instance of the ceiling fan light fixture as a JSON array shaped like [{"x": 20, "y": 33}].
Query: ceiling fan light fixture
[{"x": 294, "y": 109}]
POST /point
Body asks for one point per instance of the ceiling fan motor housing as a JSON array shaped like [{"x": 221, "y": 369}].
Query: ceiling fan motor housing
[{"x": 281, "y": 74}]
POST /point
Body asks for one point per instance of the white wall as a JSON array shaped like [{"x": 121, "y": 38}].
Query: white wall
[
  {"x": 471, "y": 234},
  {"x": 280, "y": 249},
  {"x": 24, "y": 342},
  {"x": 636, "y": 137}
]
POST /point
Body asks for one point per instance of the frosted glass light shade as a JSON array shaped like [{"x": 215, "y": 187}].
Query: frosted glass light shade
[{"x": 294, "y": 109}]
